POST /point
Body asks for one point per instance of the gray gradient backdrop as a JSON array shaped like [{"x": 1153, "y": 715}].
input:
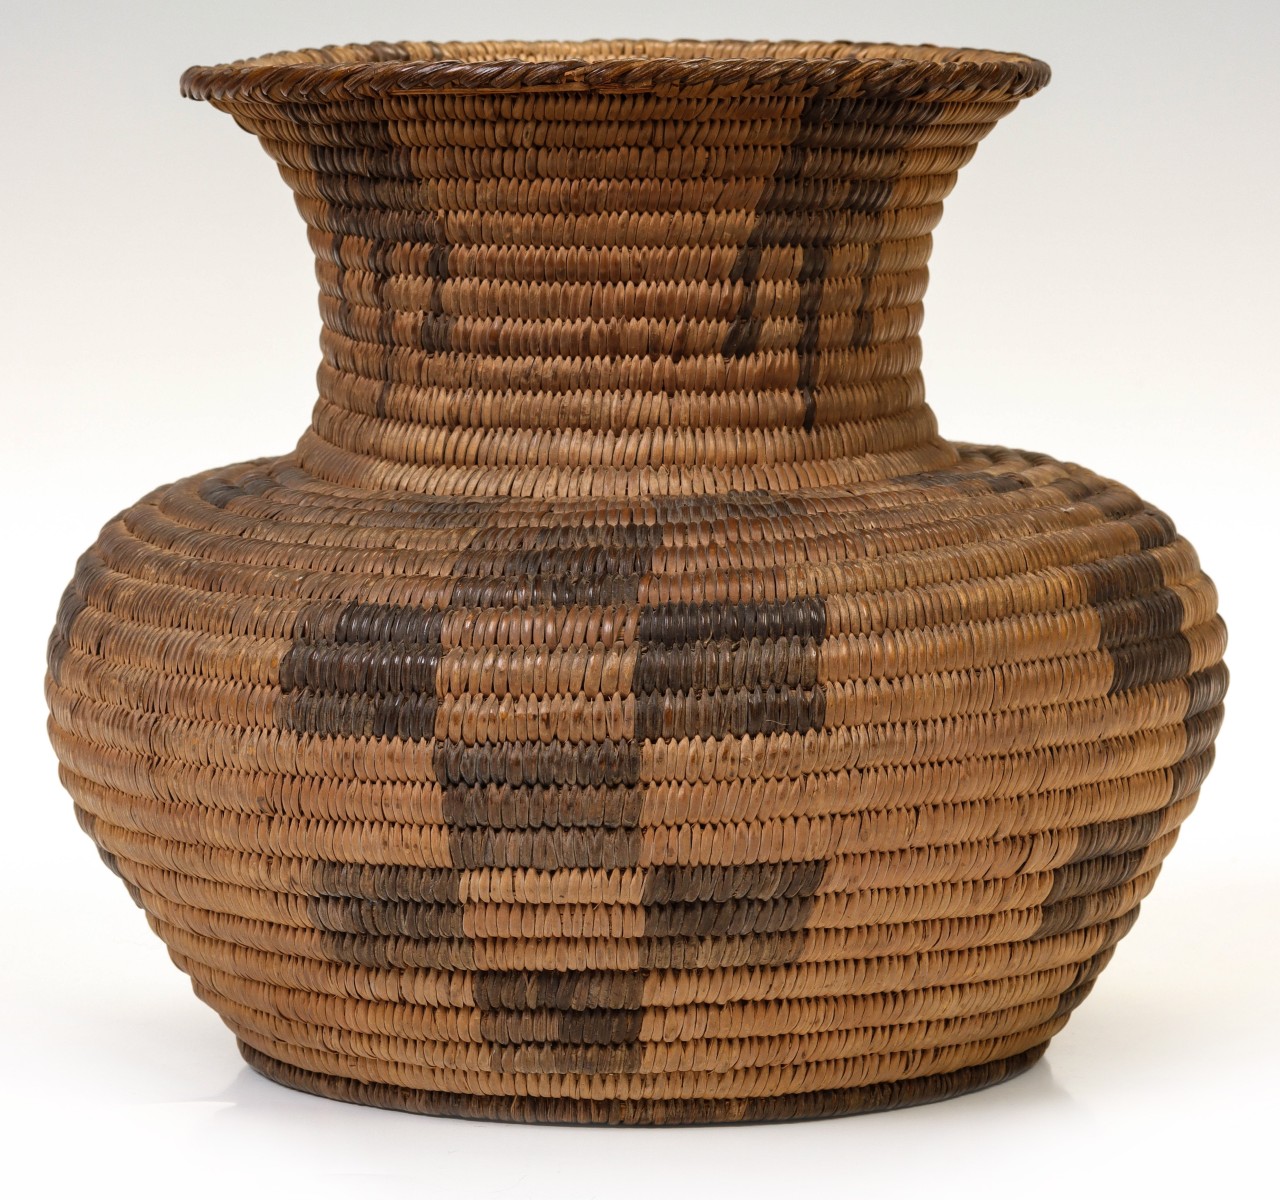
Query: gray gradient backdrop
[{"x": 1103, "y": 290}]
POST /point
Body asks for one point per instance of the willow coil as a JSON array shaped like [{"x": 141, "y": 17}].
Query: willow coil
[{"x": 623, "y": 705}]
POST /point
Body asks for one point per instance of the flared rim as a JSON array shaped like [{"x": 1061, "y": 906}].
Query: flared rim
[{"x": 840, "y": 68}]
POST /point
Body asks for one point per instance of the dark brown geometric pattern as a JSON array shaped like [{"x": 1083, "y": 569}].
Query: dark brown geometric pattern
[
  {"x": 824, "y": 125},
  {"x": 363, "y": 266},
  {"x": 1141, "y": 624},
  {"x": 362, "y": 670},
  {"x": 705, "y": 671},
  {"x": 1141, "y": 628},
  {"x": 623, "y": 705}
]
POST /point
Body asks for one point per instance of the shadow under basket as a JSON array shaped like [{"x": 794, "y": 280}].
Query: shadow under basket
[{"x": 623, "y": 705}]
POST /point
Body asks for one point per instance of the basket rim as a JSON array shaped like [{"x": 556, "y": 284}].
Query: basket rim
[{"x": 337, "y": 73}]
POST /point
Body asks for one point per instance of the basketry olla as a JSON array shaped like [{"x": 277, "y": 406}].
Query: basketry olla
[{"x": 623, "y": 705}]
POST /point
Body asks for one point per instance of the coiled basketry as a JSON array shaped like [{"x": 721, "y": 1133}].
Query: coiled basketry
[{"x": 623, "y": 705}]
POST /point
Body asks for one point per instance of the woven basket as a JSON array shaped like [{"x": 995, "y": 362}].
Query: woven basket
[{"x": 623, "y": 705}]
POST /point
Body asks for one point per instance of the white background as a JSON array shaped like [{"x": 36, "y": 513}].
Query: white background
[{"x": 1103, "y": 289}]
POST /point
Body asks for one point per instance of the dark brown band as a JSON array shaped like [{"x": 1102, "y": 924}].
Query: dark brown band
[
  {"x": 337, "y": 73},
  {"x": 538, "y": 1110}
]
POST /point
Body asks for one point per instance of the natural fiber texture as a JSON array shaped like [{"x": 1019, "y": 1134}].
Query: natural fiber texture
[
  {"x": 727, "y": 67},
  {"x": 623, "y": 705}
]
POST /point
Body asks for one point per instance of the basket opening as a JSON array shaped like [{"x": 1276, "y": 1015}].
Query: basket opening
[{"x": 338, "y": 73}]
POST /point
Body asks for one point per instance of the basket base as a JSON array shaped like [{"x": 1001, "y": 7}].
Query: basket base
[{"x": 554, "y": 1110}]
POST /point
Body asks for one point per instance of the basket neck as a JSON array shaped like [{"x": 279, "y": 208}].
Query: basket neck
[{"x": 618, "y": 294}]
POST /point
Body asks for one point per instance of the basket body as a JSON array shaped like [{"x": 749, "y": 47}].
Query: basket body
[{"x": 623, "y": 705}]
